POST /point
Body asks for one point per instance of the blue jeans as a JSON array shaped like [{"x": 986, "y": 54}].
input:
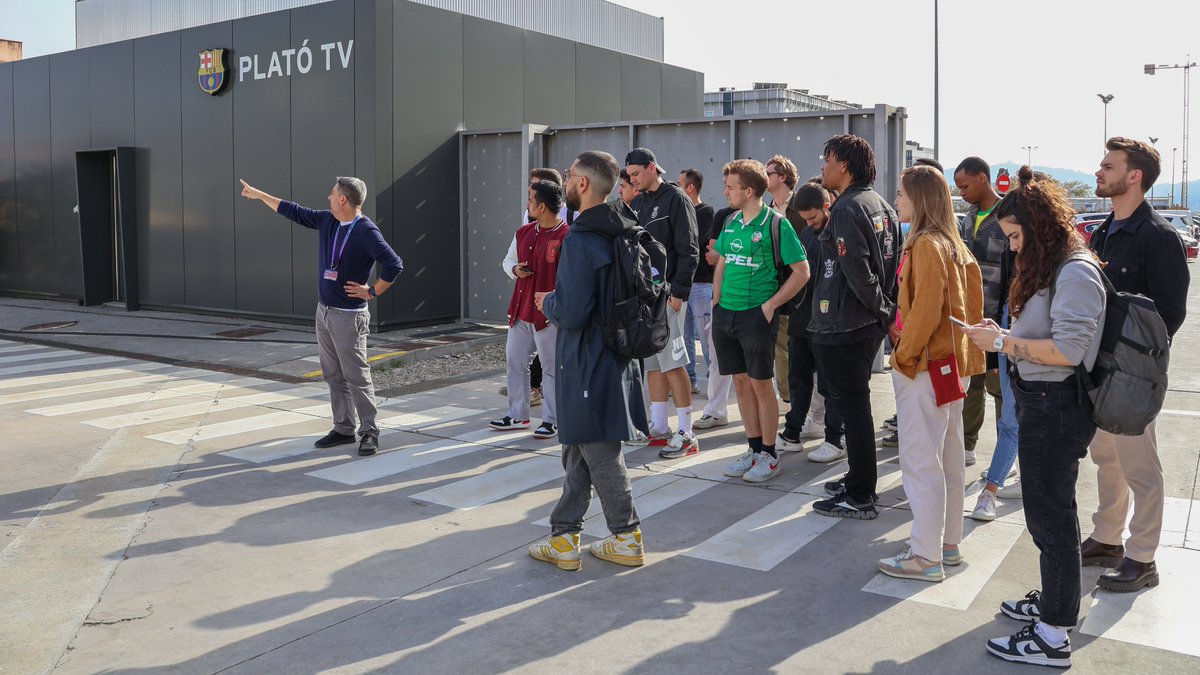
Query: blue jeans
[
  {"x": 699, "y": 314},
  {"x": 1005, "y": 454}
]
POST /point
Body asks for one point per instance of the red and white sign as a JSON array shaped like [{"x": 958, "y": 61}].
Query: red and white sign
[{"x": 1003, "y": 183}]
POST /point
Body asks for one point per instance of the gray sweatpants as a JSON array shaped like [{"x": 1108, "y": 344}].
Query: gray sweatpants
[
  {"x": 523, "y": 341},
  {"x": 601, "y": 464},
  {"x": 342, "y": 339}
]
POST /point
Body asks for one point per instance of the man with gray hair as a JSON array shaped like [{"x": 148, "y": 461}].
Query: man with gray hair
[{"x": 349, "y": 246}]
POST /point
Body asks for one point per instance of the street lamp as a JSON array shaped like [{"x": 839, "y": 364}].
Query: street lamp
[
  {"x": 1187, "y": 68},
  {"x": 1029, "y": 149},
  {"x": 936, "y": 99},
  {"x": 1153, "y": 140},
  {"x": 1106, "y": 98},
  {"x": 1172, "y": 205}
]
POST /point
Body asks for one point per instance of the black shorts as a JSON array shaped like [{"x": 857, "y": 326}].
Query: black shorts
[{"x": 745, "y": 342}]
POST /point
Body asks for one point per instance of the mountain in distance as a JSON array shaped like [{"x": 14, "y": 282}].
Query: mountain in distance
[{"x": 1162, "y": 189}]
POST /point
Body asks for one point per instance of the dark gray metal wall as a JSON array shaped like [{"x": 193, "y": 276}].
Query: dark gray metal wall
[{"x": 418, "y": 76}]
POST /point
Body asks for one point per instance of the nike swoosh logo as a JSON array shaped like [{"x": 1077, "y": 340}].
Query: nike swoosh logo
[{"x": 676, "y": 355}]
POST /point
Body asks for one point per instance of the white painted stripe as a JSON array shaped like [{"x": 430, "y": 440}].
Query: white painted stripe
[
  {"x": 183, "y": 410},
  {"x": 290, "y": 394},
  {"x": 12, "y": 348},
  {"x": 415, "y": 421},
  {"x": 1153, "y": 618},
  {"x": 983, "y": 549},
  {"x": 37, "y": 356},
  {"x": 174, "y": 390},
  {"x": 313, "y": 359},
  {"x": 94, "y": 387},
  {"x": 67, "y": 363},
  {"x": 651, "y": 494},
  {"x": 1180, "y": 413},
  {"x": 38, "y": 380},
  {"x": 391, "y": 462},
  {"x": 222, "y": 429},
  {"x": 768, "y": 536},
  {"x": 278, "y": 449},
  {"x": 490, "y": 486}
]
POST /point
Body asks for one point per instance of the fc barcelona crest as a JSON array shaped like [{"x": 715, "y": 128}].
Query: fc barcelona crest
[{"x": 213, "y": 73}]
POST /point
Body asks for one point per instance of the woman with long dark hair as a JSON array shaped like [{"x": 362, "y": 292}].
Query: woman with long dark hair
[
  {"x": 1057, "y": 301},
  {"x": 939, "y": 279}
]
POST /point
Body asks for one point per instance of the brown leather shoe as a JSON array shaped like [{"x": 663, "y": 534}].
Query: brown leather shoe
[
  {"x": 1094, "y": 553},
  {"x": 1129, "y": 575}
]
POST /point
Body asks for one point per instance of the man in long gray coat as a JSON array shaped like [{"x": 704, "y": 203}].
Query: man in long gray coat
[{"x": 599, "y": 392}]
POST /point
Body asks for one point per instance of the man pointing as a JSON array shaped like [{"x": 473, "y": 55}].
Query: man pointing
[{"x": 350, "y": 245}]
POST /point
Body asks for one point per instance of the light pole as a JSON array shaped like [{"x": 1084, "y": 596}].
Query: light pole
[
  {"x": 1187, "y": 68},
  {"x": 936, "y": 145},
  {"x": 1153, "y": 140},
  {"x": 1173, "y": 177},
  {"x": 1106, "y": 98},
  {"x": 1029, "y": 149}
]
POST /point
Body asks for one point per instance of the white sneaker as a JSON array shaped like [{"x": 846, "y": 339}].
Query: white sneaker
[
  {"x": 1010, "y": 491},
  {"x": 639, "y": 440},
  {"x": 828, "y": 452},
  {"x": 985, "y": 507},
  {"x": 707, "y": 421},
  {"x": 741, "y": 466},
  {"x": 765, "y": 467},
  {"x": 623, "y": 549},
  {"x": 971, "y": 459},
  {"x": 812, "y": 430},
  {"x": 785, "y": 445}
]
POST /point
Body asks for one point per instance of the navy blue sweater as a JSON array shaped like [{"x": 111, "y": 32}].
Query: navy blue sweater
[{"x": 365, "y": 247}]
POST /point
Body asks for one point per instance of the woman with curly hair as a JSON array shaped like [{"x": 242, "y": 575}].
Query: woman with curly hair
[
  {"x": 939, "y": 279},
  {"x": 1057, "y": 301}
]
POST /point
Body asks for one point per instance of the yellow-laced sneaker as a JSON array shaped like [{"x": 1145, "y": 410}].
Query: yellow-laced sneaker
[
  {"x": 560, "y": 549},
  {"x": 623, "y": 549}
]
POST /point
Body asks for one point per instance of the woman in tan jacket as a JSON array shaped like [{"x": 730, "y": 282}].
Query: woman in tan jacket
[{"x": 939, "y": 279}]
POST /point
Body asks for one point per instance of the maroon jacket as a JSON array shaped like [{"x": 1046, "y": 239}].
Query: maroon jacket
[{"x": 539, "y": 249}]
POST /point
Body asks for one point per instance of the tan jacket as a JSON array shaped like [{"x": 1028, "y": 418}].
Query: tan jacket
[{"x": 924, "y": 314}]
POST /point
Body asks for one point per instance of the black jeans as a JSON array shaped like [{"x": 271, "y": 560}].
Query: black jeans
[
  {"x": 847, "y": 373},
  {"x": 1054, "y": 429},
  {"x": 801, "y": 374}
]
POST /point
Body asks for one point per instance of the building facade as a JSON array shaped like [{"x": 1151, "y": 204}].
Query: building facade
[
  {"x": 379, "y": 89},
  {"x": 768, "y": 98},
  {"x": 914, "y": 151}
]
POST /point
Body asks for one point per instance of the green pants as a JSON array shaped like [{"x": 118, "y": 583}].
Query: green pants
[{"x": 973, "y": 406}]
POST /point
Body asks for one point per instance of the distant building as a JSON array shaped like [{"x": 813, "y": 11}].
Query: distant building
[
  {"x": 10, "y": 50},
  {"x": 914, "y": 151},
  {"x": 768, "y": 97}
]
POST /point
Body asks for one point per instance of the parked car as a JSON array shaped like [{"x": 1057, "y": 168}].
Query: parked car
[
  {"x": 1087, "y": 227},
  {"x": 1182, "y": 222}
]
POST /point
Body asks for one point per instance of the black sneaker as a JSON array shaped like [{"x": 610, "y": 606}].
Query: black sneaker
[
  {"x": 836, "y": 488},
  {"x": 334, "y": 438},
  {"x": 1025, "y": 609},
  {"x": 546, "y": 430},
  {"x": 507, "y": 423},
  {"x": 368, "y": 445},
  {"x": 1027, "y": 646},
  {"x": 844, "y": 506},
  {"x": 890, "y": 424}
]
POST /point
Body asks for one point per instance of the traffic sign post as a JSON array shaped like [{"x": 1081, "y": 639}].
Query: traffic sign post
[{"x": 1003, "y": 182}]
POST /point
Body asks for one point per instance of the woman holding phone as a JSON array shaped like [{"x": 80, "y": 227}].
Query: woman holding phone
[
  {"x": 1057, "y": 302},
  {"x": 931, "y": 367}
]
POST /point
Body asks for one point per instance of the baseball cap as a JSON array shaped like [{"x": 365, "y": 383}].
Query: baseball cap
[{"x": 642, "y": 157}]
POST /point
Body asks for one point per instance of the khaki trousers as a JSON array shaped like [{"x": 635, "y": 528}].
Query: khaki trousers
[{"x": 1128, "y": 464}]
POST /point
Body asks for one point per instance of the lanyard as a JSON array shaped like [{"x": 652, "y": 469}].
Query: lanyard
[{"x": 335, "y": 253}]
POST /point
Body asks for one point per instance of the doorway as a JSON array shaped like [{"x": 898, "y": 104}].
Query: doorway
[{"x": 107, "y": 229}]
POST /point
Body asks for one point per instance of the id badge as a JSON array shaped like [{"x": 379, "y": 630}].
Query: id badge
[{"x": 331, "y": 275}]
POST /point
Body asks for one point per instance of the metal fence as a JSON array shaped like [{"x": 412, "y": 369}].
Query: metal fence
[{"x": 495, "y": 165}]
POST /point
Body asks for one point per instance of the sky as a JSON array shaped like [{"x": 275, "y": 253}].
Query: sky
[{"x": 1013, "y": 73}]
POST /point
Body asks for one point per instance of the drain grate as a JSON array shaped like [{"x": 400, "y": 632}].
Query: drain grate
[
  {"x": 244, "y": 332},
  {"x": 53, "y": 325}
]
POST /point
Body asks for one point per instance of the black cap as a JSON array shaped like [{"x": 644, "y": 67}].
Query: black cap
[{"x": 642, "y": 157}]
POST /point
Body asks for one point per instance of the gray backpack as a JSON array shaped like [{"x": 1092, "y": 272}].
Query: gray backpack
[{"x": 1128, "y": 382}]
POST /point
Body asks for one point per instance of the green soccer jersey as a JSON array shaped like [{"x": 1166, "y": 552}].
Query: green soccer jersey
[{"x": 750, "y": 279}]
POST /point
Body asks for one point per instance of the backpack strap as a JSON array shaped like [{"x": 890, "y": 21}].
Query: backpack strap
[
  {"x": 1084, "y": 377},
  {"x": 776, "y": 225}
]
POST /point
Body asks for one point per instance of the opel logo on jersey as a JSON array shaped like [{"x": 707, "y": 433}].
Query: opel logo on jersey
[{"x": 736, "y": 245}]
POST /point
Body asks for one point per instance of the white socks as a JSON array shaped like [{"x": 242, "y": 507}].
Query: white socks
[
  {"x": 1052, "y": 634},
  {"x": 658, "y": 416},
  {"x": 685, "y": 419}
]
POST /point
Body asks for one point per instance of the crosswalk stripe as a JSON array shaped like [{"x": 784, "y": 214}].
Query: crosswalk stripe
[
  {"x": 222, "y": 429},
  {"x": 54, "y": 378},
  {"x": 984, "y": 547},
  {"x": 651, "y": 495},
  {"x": 12, "y": 347},
  {"x": 473, "y": 492},
  {"x": 768, "y": 536},
  {"x": 74, "y": 390},
  {"x": 189, "y": 387},
  {"x": 415, "y": 421},
  {"x": 391, "y": 462},
  {"x": 36, "y": 356},
  {"x": 180, "y": 411},
  {"x": 67, "y": 363},
  {"x": 275, "y": 450}
]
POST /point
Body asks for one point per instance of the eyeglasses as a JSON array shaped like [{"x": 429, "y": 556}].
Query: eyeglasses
[{"x": 774, "y": 173}]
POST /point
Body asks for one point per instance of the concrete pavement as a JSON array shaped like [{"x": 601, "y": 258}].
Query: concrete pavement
[{"x": 164, "y": 517}]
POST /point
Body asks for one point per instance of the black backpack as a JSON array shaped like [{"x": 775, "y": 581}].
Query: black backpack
[
  {"x": 636, "y": 325},
  {"x": 1128, "y": 382},
  {"x": 782, "y": 272}
]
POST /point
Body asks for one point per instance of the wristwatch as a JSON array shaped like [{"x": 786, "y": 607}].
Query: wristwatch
[
  {"x": 998, "y": 343},
  {"x": 371, "y": 292}
]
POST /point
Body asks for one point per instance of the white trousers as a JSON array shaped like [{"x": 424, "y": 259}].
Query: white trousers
[{"x": 932, "y": 463}]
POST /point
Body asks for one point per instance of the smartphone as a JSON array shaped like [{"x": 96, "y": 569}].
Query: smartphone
[{"x": 960, "y": 322}]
